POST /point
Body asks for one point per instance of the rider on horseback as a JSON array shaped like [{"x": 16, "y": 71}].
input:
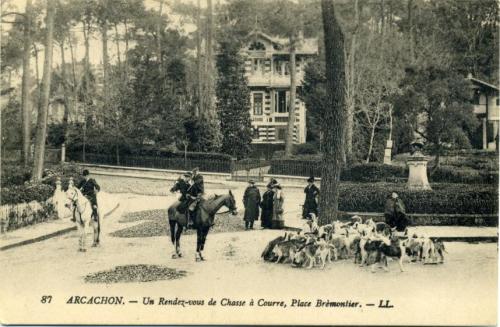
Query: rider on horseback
[
  {"x": 182, "y": 185},
  {"x": 194, "y": 194},
  {"x": 88, "y": 187}
]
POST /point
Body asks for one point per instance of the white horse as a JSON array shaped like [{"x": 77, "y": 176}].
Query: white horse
[{"x": 82, "y": 214}]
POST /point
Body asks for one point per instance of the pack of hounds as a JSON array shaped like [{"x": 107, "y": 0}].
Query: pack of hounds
[{"x": 368, "y": 243}]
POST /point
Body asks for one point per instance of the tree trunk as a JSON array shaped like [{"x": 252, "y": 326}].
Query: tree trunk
[
  {"x": 117, "y": 42},
  {"x": 351, "y": 92},
  {"x": 105, "y": 63},
  {"x": 65, "y": 120},
  {"x": 199, "y": 107},
  {"x": 410, "y": 31},
  {"x": 41, "y": 132},
  {"x": 73, "y": 73},
  {"x": 334, "y": 118},
  {"x": 26, "y": 105},
  {"x": 158, "y": 39},
  {"x": 126, "y": 50},
  {"x": 370, "y": 145},
  {"x": 209, "y": 67},
  {"x": 86, "y": 32},
  {"x": 293, "y": 89}
]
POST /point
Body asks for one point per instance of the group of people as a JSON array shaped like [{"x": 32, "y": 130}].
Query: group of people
[{"x": 270, "y": 205}]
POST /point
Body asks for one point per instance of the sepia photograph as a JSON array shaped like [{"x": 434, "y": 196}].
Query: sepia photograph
[{"x": 249, "y": 162}]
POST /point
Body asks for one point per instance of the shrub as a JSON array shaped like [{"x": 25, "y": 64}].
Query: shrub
[
  {"x": 305, "y": 148},
  {"x": 373, "y": 172},
  {"x": 451, "y": 174},
  {"x": 443, "y": 199},
  {"x": 162, "y": 159},
  {"x": 15, "y": 175},
  {"x": 26, "y": 193}
]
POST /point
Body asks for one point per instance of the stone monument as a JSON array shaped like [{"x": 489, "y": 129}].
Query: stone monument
[
  {"x": 388, "y": 152},
  {"x": 417, "y": 164}
]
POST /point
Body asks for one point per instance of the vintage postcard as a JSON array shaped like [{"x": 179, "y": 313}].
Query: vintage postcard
[{"x": 249, "y": 162}]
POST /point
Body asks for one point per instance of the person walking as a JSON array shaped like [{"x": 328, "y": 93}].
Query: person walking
[
  {"x": 395, "y": 213},
  {"x": 311, "y": 201},
  {"x": 251, "y": 202},
  {"x": 266, "y": 205},
  {"x": 278, "y": 200}
]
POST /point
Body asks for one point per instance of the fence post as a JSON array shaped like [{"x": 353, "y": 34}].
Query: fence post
[
  {"x": 71, "y": 182},
  {"x": 63, "y": 152},
  {"x": 233, "y": 166}
]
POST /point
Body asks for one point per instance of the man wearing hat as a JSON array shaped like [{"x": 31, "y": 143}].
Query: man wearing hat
[
  {"x": 311, "y": 202},
  {"x": 194, "y": 194},
  {"x": 88, "y": 186},
  {"x": 251, "y": 201},
  {"x": 182, "y": 185}
]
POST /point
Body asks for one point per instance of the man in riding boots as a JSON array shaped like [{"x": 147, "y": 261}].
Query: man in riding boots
[
  {"x": 88, "y": 187},
  {"x": 182, "y": 185},
  {"x": 194, "y": 194}
]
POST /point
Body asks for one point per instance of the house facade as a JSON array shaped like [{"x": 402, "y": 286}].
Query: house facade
[
  {"x": 487, "y": 109},
  {"x": 267, "y": 67}
]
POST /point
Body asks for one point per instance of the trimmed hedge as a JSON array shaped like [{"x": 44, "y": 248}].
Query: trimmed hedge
[
  {"x": 26, "y": 193},
  {"x": 370, "y": 172},
  {"x": 375, "y": 172},
  {"x": 451, "y": 174},
  {"x": 443, "y": 199}
]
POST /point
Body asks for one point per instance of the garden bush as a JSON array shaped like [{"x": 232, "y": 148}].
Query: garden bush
[
  {"x": 26, "y": 193},
  {"x": 64, "y": 172},
  {"x": 370, "y": 172},
  {"x": 14, "y": 174},
  {"x": 305, "y": 148},
  {"x": 451, "y": 174},
  {"x": 443, "y": 199}
]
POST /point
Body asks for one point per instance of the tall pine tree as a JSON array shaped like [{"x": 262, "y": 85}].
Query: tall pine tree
[{"x": 233, "y": 101}]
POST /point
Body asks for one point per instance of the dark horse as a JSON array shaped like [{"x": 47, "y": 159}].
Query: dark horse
[{"x": 203, "y": 220}]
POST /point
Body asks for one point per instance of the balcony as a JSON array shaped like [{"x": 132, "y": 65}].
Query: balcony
[{"x": 274, "y": 80}]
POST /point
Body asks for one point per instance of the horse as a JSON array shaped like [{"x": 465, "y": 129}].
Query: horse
[
  {"x": 81, "y": 208},
  {"x": 203, "y": 219}
]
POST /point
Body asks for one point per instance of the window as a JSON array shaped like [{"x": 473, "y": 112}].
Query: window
[
  {"x": 475, "y": 98},
  {"x": 498, "y": 102},
  {"x": 257, "y": 66},
  {"x": 280, "y": 133},
  {"x": 281, "y": 101},
  {"x": 257, "y": 46},
  {"x": 257, "y": 104}
]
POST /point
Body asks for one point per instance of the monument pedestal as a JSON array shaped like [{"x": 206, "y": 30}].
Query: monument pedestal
[
  {"x": 417, "y": 180},
  {"x": 388, "y": 152}
]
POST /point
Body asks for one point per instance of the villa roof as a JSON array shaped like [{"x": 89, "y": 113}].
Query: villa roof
[
  {"x": 482, "y": 83},
  {"x": 304, "y": 46}
]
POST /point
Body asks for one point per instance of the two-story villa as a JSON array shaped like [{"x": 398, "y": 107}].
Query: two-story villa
[
  {"x": 267, "y": 68},
  {"x": 487, "y": 108}
]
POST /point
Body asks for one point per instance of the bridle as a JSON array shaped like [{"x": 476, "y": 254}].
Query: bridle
[{"x": 74, "y": 202}]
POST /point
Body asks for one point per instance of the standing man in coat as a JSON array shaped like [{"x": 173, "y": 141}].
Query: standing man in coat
[
  {"x": 311, "y": 202},
  {"x": 251, "y": 201},
  {"x": 395, "y": 213}
]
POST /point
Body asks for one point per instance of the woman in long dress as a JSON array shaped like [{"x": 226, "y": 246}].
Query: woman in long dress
[{"x": 278, "y": 200}]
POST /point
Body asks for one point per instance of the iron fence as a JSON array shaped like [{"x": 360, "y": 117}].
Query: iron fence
[{"x": 208, "y": 165}]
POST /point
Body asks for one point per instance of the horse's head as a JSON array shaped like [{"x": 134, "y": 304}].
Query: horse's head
[
  {"x": 230, "y": 203},
  {"x": 71, "y": 196}
]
